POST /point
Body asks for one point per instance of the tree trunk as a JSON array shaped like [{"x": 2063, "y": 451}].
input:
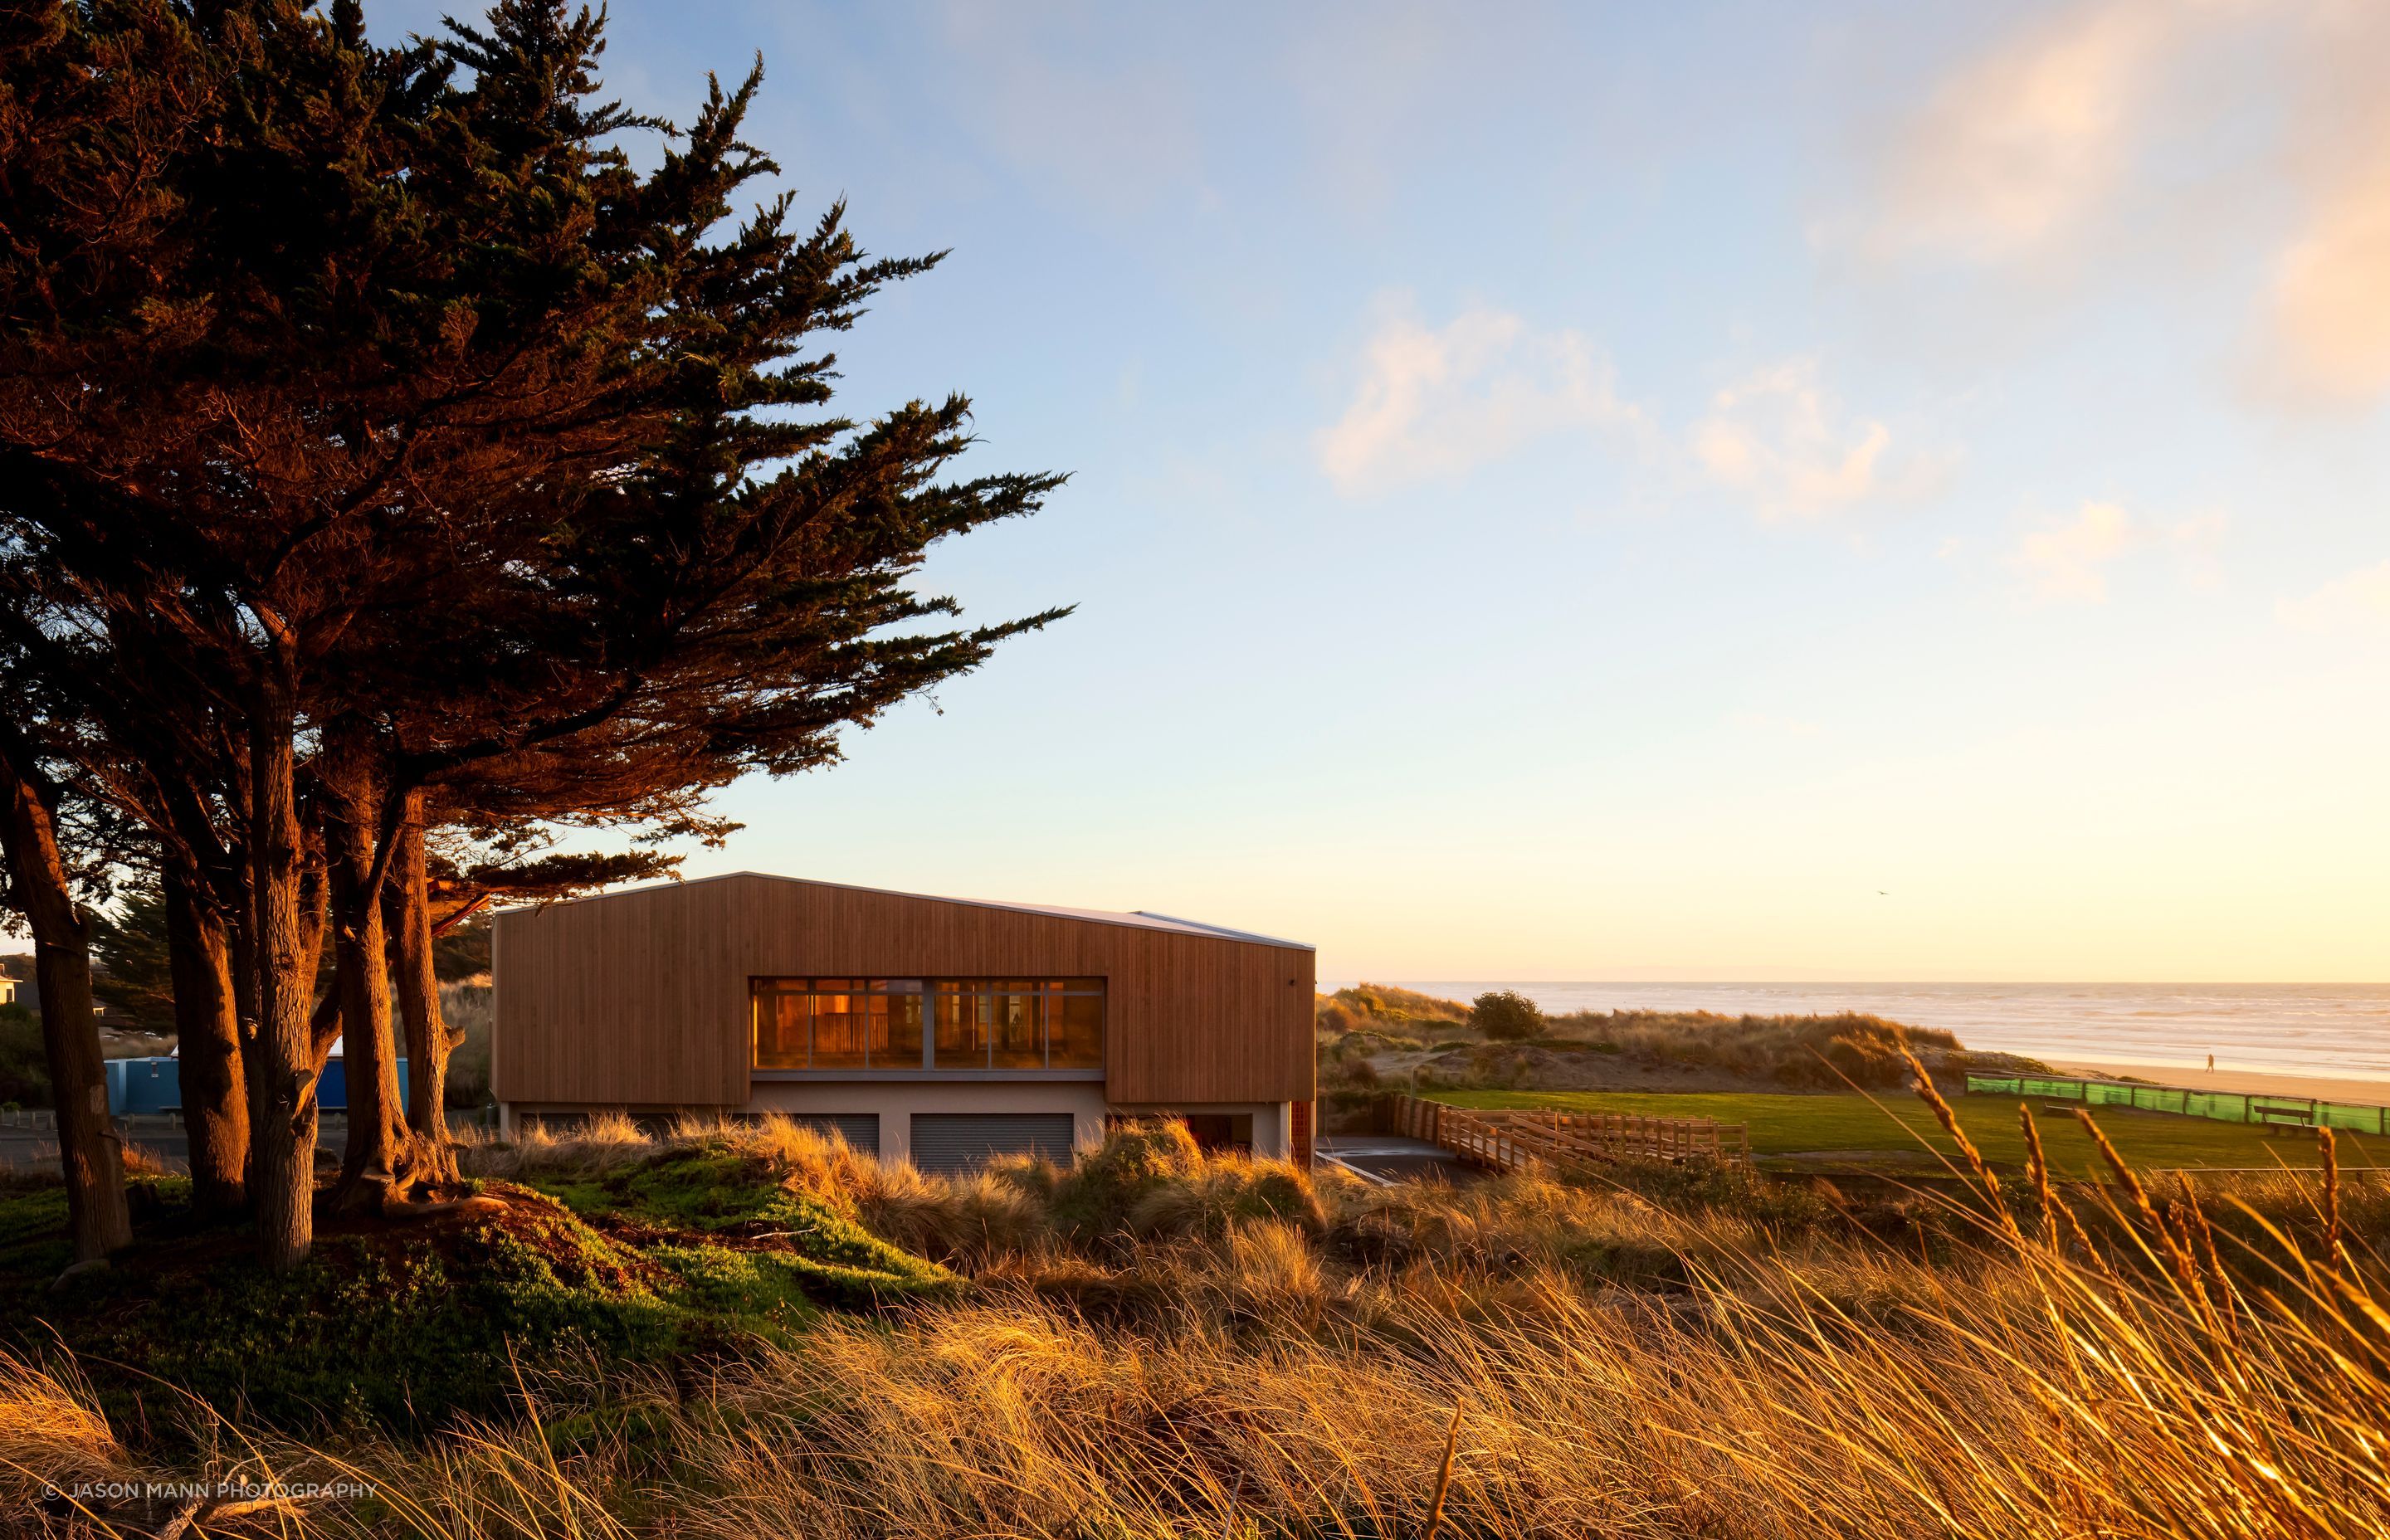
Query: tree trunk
[
  {"x": 324, "y": 1028},
  {"x": 239, "y": 936},
  {"x": 216, "y": 1093},
  {"x": 90, "y": 1151},
  {"x": 429, "y": 1041},
  {"x": 379, "y": 1165},
  {"x": 282, "y": 1146}
]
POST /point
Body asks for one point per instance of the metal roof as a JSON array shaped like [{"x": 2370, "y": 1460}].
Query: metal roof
[{"x": 1145, "y": 919}]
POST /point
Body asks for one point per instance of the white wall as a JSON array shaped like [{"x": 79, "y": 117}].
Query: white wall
[{"x": 896, "y": 1102}]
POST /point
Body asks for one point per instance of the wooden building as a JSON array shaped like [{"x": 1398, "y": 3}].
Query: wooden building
[{"x": 936, "y": 1030}]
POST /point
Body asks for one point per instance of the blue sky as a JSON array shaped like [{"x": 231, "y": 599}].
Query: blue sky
[{"x": 1720, "y": 491}]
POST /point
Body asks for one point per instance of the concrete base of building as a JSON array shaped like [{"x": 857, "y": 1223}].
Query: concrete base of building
[{"x": 1267, "y": 1128}]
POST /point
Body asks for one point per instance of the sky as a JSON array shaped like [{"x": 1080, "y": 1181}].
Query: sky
[{"x": 1721, "y": 491}]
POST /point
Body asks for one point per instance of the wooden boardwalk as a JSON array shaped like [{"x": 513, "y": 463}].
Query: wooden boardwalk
[{"x": 1555, "y": 1141}]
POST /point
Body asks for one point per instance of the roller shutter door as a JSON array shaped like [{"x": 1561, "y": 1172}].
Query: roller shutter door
[
  {"x": 948, "y": 1143},
  {"x": 861, "y": 1130}
]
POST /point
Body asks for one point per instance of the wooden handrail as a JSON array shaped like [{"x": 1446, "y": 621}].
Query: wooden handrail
[{"x": 1540, "y": 1140}]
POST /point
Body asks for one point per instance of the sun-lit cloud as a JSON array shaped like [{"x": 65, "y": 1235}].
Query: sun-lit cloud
[
  {"x": 2358, "y": 601},
  {"x": 2326, "y": 331},
  {"x": 2068, "y": 561},
  {"x": 1780, "y": 436},
  {"x": 2098, "y": 130},
  {"x": 2013, "y": 146},
  {"x": 1435, "y": 402}
]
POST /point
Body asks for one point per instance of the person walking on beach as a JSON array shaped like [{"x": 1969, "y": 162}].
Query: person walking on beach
[{"x": 2211, "y": 1063}]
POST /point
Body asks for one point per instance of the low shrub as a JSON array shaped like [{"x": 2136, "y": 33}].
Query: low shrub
[
  {"x": 24, "y": 1064},
  {"x": 1507, "y": 1016}
]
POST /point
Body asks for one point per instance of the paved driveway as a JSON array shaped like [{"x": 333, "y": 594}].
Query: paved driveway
[{"x": 1388, "y": 1157}]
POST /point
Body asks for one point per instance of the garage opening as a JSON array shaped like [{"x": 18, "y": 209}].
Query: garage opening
[
  {"x": 860, "y": 1130},
  {"x": 953, "y": 1143}
]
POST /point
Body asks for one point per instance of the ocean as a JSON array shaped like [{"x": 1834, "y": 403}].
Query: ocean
[{"x": 2284, "y": 1029}]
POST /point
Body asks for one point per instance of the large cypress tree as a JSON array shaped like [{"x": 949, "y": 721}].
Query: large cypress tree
[{"x": 442, "y": 454}]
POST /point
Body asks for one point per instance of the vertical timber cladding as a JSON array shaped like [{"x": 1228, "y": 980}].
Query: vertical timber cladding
[
  {"x": 641, "y": 998},
  {"x": 621, "y": 1001}
]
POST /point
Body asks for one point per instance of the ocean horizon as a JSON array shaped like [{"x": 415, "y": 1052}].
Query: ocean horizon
[{"x": 2282, "y": 1029}]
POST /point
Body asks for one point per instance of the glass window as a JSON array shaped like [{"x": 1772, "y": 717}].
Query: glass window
[
  {"x": 1076, "y": 1028},
  {"x": 902, "y": 1049},
  {"x": 1018, "y": 1028},
  {"x": 781, "y": 1029},
  {"x": 842, "y": 1030},
  {"x": 899, "y": 1024},
  {"x": 962, "y": 1028}
]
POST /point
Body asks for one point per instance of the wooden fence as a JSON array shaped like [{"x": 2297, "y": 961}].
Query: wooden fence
[{"x": 1541, "y": 1140}]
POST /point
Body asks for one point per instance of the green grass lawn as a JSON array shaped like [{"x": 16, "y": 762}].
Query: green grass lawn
[{"x": 1783, "y": 1125}]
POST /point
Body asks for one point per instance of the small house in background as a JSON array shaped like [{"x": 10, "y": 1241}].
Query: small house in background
[
  {"x": 7, "y": 989},
  {"x": 940, "y": 1031}
]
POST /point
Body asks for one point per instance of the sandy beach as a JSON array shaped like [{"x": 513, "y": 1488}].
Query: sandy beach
[{"x": 2372, "y": 1093}]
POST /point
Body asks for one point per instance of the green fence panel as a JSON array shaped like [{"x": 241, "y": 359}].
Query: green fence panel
[
  {"x": 2216, "y": 1106},
  {"x": 2357, "y": 1120}
]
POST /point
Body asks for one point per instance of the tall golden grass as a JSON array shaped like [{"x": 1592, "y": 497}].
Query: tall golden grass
[{"x": 1307, "y": 1375}]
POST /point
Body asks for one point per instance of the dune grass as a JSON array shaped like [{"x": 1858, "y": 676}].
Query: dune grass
[
  {"x": 677, "y": 1250},
  {"x": 1182, "y": 1345},
  {"x": 1896, "y": 1126},
  {"x": 1367, "y": 1030}
]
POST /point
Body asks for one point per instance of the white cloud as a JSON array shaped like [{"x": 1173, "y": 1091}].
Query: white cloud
[
  {"x": 1434, "y": 402},
  {"x": 1780, "y": 436},
  {"x": 2068, "y": 562},
  {"x": 2358, "y": 601}
]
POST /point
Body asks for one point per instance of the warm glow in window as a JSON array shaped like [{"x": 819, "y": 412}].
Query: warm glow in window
[{"x": 899, "y": 1024}]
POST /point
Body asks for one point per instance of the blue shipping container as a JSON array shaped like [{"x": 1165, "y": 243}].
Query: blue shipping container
[{"x": 153, "y": 1086}]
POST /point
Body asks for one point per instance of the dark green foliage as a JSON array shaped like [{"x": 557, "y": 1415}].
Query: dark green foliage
[
  {"x": 130, "y": 948},
  {"x": 463, "y": 953},
  {"x": 24, "y": 1066},
  {"x": 1507, "y": 1016}
]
